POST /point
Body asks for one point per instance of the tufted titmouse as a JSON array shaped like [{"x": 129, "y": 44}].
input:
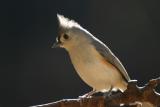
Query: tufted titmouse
[{"x": 93, "y": 60}]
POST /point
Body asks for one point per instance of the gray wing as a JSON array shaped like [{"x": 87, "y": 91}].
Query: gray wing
[{"x": 110, "y": 57}]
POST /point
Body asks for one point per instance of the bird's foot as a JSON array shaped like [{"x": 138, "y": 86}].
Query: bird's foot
[
  {"x": 84, "y": 96},
  {"x": 108, "y": 93},
  {"x": 88, "y": 95}
]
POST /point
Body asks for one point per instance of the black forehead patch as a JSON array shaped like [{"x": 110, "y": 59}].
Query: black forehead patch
[
  {"x": 58, "y": 38},
  {"x": 59, "y": 34}
]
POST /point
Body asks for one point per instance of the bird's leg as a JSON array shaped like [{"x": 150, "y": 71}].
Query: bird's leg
[
  {"x": 109, "y": 92},
  {"x": 89, "y": 94}
]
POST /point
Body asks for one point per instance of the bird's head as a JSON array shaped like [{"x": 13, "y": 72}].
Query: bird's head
[{"x": 70, "y": 34}]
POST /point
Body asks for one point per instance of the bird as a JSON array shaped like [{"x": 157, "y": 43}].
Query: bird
[{"x": 93, "y": 61}]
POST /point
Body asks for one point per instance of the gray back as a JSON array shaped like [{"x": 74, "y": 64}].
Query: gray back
[{"x": 110, "y": 57}]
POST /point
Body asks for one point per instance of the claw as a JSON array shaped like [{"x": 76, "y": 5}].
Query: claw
[{"x": 88, "y": 95}]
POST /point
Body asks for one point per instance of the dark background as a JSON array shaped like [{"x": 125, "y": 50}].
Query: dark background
[{"x": 32, "y": 73}]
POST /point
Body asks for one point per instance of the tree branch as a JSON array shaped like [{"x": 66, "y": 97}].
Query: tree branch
[{"x": 130, "y": 96}]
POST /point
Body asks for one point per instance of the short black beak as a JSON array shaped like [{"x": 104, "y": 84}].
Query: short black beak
[{"x": 56, "y": 45}]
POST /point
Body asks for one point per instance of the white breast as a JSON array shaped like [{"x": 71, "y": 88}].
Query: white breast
[{"x": 95, "y": 70}]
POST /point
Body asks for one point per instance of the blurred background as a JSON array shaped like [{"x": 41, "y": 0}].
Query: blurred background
[{"x": 33, "y": 73}]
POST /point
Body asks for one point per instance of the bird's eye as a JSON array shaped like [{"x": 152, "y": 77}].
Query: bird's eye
[{"x": 65, "y": 36}]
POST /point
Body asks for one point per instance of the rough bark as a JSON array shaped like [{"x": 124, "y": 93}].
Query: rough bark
[{"x": 129, "y": 98}]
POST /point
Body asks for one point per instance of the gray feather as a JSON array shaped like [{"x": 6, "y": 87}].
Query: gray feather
[{"x": 110, "y": 57}]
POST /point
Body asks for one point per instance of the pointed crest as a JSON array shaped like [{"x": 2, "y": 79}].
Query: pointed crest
[{"x": 65, "y": 22}]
